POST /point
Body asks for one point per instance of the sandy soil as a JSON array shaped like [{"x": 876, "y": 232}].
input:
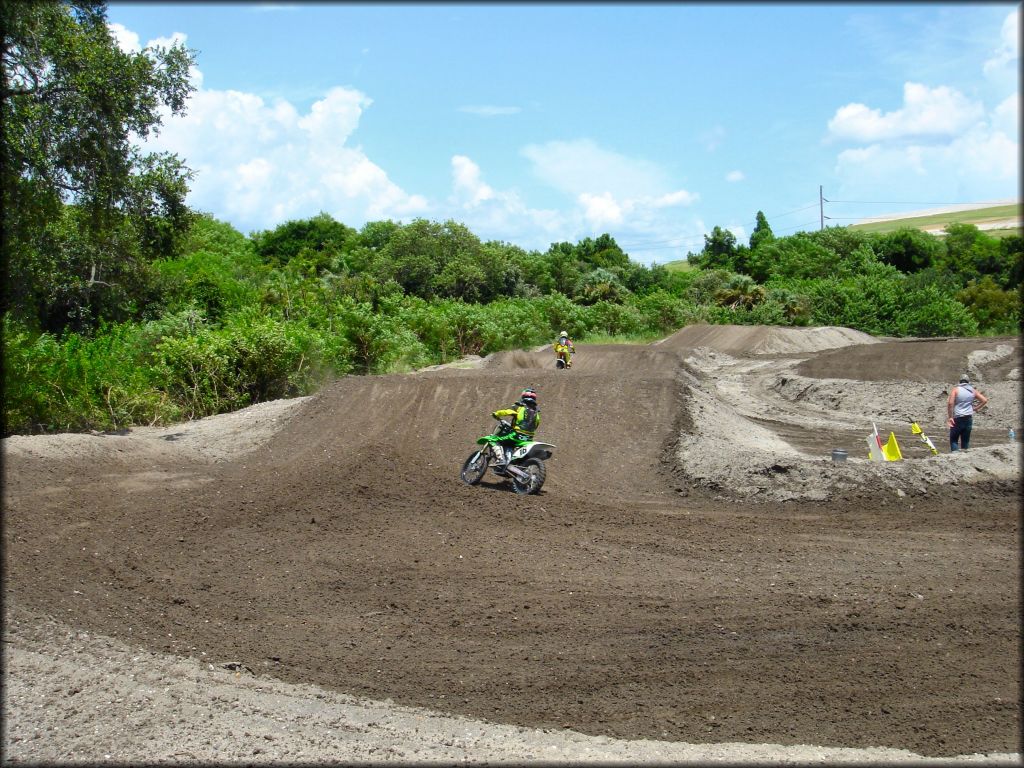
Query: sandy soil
[{"x": 308, "y": 580}]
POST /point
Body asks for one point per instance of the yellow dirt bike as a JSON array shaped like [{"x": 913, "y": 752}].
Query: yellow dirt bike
[{"x": 563, "y": 356}]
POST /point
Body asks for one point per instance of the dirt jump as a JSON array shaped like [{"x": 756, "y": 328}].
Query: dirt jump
[{"x": 698, "y": 579}]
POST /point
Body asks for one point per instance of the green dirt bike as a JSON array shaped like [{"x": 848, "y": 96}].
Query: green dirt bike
[{"x": 526, "y": 468}]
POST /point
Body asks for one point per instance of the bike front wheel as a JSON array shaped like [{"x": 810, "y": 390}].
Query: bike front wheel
[{"x": 475, "y": 468}]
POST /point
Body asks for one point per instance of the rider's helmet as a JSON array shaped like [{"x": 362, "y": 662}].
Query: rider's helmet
[
  {"x": 563, "y": 335},
  {"x": 528, "y": 397}
]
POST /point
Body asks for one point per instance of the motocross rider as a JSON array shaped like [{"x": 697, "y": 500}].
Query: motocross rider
[
  {"x": 525, "y": 420},
  {"x": 564, "y": 348}
]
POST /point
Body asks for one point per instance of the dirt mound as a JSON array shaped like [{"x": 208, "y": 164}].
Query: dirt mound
[
  {"x": 987, "y": 360},
  {"x": 764, "y": 340},
  {"x": 694, "y": 553}
]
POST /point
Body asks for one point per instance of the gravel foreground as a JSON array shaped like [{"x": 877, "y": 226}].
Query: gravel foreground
[{"x": 75, "y": 697}]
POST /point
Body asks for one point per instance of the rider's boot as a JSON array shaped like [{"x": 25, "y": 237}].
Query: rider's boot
[{"x": 500, "y": 459}]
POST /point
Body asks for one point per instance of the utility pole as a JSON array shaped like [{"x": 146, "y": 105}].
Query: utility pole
[{"x": 821, "y": 207}]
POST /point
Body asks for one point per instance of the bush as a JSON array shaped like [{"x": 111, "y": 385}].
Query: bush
[
  {"x": 380, "y": 343},
  {"x": 79, "y": 383},
  {"x": 995, "y": 310},
  {"x": 929, "y": 312},
  {"x": 562, "y": 314},
  {"x": 664, "y": 312},
  {"x": 613, "y": 319}
]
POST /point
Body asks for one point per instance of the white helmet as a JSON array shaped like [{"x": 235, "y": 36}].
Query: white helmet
[{"x": 563, "y": 335}]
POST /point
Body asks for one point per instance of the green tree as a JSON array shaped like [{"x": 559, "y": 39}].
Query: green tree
[
  {"x": 719, "y": 251},
  {"x": 602, "y": 252},
  {"x": 1013, "y": 259},
  {"x": 431, "y": 259},
  {"x": 72, "y": 103},
  {"x": 970, "y": 253},
  {"x": 762, "y": 232},
  {"x": 601, "y": 285},
  {"x": 320, "y": 240},
  {"x": 908, "y": 249},
  {"x": 795, "y": 306},
  {"x": 564, "y": 268},
  {"x": 741, "y": 292},
  {"x": 996, "y": 310},
  {"x": 796, "y": 256}
]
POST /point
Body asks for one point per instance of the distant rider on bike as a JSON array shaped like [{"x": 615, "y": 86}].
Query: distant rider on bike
[
  {"x": 564, "y": 350},
  {"x": 525, "y": 420}
]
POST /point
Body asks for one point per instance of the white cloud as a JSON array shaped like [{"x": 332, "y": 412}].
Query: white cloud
[
  {"x": 941, "y": 111},
  {"x": 739, "y": 232},
  {"x": 125, "y": 39},
  {"x": 600, "y": 210},
  {"x": 176, "y": 38},
  {"x": 258, "y": 164},
  {"x": 334, "y": 118},
  {"x": 679, "y": 197},
  {"x": 734, "y": 176},
  {"x": 980, "y": 165},
  {"x": 581, "y": 166},
  {"x": 496, "y": 214},
  {"x": 500, "y": 214},
  {"x": 468, "y": 186},
  {"x": 628, "y": 197},
  {"x": 1006, "y": 116},
  {"x": 1007, "y": 54},
  {"x": 490, "y": 111}
]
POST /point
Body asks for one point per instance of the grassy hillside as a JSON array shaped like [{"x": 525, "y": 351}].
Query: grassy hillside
[
  {"x": 980, "y": 217},
  {"x": 680, "y": 265},
  {"x": 984, "y": 218}
]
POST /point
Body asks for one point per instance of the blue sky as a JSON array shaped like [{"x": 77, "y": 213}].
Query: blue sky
[{"x": 537, "y": 123}]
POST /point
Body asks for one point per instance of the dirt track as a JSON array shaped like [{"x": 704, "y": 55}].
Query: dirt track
[{"x": 696, "y": 569}]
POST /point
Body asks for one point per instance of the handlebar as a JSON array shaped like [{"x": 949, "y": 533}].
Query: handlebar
[{"x": 502, "y": 427}]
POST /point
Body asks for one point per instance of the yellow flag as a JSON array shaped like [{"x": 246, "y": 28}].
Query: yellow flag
[{"x": 891, "y": 450}]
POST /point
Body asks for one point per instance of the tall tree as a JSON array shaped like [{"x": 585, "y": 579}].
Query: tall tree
[
  {"x": 73, "y": 102},
  {"x": 762, "y": 232},
  {"x": 719, "y": 250}
]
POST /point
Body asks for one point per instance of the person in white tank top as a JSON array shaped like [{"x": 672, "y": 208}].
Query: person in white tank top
[{"x": 960, "y": 407}]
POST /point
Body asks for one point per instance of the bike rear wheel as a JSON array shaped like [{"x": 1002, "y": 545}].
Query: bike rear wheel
[{"x": 535, "y": 474}]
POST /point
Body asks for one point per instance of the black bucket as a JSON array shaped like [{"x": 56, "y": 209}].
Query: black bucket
[{"x": 838, "y": 454}]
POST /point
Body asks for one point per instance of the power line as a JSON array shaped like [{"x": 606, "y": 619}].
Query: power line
[
  {"x": 800, "y": 226},
  {"x": 780, "y": 215}
]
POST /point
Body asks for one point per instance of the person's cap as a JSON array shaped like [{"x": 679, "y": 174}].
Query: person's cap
[{"x": 965, "y": 379}]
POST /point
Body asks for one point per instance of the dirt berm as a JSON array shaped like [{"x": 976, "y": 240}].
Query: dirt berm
[{"x": 697, "y": 580}]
